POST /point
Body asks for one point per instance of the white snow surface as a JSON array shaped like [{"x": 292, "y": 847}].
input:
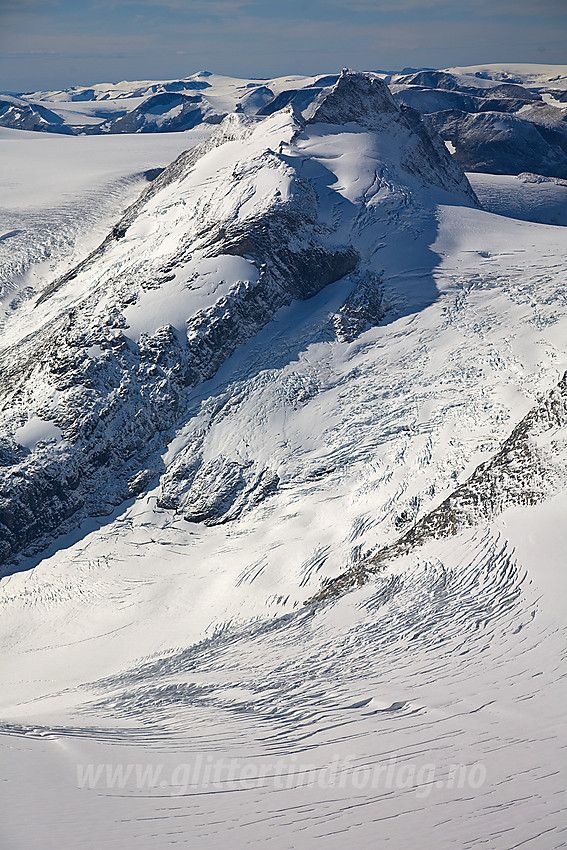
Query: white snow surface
[
  {"x": 213, "y": 278},
  {"x": 529, "y": 197},
  {"x": 221, "y": 92},
  {"x": 35, "y": 430},
  {"x": 530, "y": 75},
  {"x": 83, "y": 107},
  {"x": 177, "y": 663}
]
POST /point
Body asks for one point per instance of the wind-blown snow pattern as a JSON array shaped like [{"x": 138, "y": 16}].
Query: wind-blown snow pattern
[{"x": 303, "y": 367}]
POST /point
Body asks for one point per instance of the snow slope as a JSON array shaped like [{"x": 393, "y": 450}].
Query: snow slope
[
  {"x": 497, "y": 119},
  {"x": 263, "y": 213},
  {"x": 503, "y": 119},
  {"x": 533, "y": 76},
  {"x": 529, "y": 197},
  {"x": 118, "y": 107},
  {"x": 162, "y": 680}
]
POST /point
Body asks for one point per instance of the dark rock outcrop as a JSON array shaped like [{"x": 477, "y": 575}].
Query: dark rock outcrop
[
  {"x": 166, "y": 112},
  {"x": 500, "y": 129},
  {"x": 18, "y": 114}
]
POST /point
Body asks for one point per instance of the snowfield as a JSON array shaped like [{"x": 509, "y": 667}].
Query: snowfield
[
  {"x": 164, "y": 682},
  {"x": 528, "y": 197}
]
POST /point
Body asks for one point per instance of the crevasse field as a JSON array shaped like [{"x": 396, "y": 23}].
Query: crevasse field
[{"x": 164, "y": 683}]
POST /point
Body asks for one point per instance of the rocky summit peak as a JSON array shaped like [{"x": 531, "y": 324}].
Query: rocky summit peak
[{"x": 355, "y": 97}]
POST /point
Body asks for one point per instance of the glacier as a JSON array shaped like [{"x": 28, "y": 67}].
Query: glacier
[{"x": 283, "y": 533}]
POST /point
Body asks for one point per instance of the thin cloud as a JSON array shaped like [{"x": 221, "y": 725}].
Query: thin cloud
[
  {"x": 141, "y": 39},
  {"x": 184, "y": 8},
  {"x": 496, "y": 6}
]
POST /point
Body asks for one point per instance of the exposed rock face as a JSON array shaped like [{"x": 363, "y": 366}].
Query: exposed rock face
[
  {"x": 430, "y": 79},
  {"x": 433, "y": 80},
  {"x": 362, "y": 99},
  {"x": 431, "y": 158},
  {"x": 214, "y": 491},
  {"x": 366, "y": 100},
  {"x": 223, "y": 238},
  {"x": 523, "y": 472},
  {"x": 363, "y": 309},
  {"x": 442, "y": 100}
]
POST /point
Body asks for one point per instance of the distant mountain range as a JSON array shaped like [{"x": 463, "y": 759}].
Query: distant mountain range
[{"x": 502, "y": 119}]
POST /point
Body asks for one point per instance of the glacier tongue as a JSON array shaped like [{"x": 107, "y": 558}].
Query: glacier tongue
[{"x": 263, "y": 213}]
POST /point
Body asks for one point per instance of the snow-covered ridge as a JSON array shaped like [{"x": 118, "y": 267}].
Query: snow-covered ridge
[
  {"x": 530, "y": 75},
  {"x": 169, "y": 105},
  {"x": 264, "y": 212},
  {"x": 144, "y": 106},
  {"x": 497, "y": 119}
]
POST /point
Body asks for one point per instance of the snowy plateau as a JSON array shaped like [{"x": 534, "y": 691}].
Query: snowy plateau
[{"x": 283, "y": 462}]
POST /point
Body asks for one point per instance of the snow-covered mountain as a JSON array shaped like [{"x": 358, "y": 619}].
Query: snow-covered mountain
[
  {"x": 504, "y": 119},
  {"x": 147, "y": 106},
  {"x": 229, "y": 233},
  {"x": 17, "y": 113},
  {"x": 283, "y": 459},
  {"x": 497, "y": 119}
]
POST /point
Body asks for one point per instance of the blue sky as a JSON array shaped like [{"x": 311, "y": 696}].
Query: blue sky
[{"x": 58, "y": 43}]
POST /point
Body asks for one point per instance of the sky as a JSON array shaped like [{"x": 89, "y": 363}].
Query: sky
[{"x": 51, "y": 44}]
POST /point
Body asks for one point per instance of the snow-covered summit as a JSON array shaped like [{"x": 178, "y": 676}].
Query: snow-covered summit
[
  {"x": 500, "y": 118},
  {"x": 264, "y": 212}
]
